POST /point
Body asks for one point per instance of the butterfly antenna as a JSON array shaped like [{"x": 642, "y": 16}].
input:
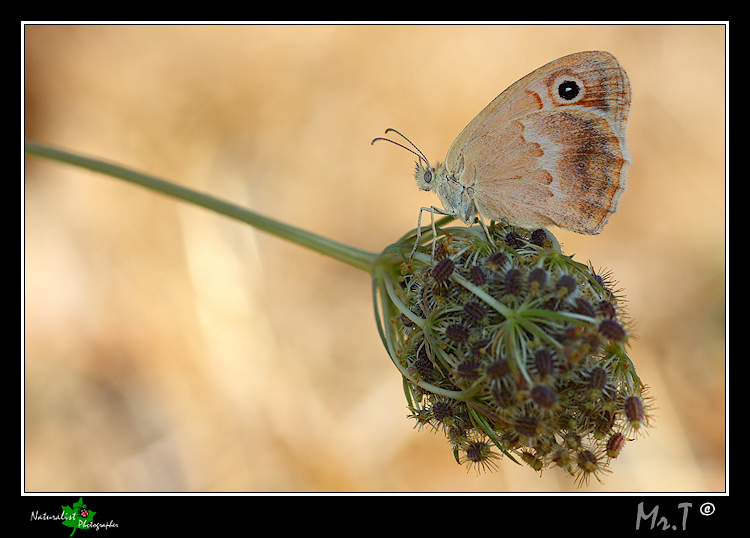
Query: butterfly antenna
[
  {"x": 418, "y": 153},
  {"x": 409, "y": 141}
]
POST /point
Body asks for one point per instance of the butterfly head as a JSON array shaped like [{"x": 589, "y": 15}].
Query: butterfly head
[{"x": 425, "y": 175}]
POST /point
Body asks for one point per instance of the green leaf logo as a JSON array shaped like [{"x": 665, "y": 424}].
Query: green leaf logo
[{"x": 78, "y": 516}]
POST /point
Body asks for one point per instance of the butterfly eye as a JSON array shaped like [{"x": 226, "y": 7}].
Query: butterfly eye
[
  {"x": 568, "y": 90},
  {"x": 427, "y": 176}
]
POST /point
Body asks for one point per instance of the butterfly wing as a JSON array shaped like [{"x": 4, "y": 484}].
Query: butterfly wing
[{"x": 551, "y": 148}]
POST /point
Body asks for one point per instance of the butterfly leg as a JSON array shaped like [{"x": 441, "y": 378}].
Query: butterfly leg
[
  {"x": 419, "y": 231},
  {"x": 432, "y": 211},
  {"x": 486, "y": 230}
]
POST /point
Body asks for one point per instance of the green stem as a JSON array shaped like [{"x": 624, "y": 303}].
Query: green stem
[{"x": 347, "y": 254}]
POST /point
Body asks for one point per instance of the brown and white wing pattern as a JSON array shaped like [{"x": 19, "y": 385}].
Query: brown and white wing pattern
[{"x": 550, "y": 150}]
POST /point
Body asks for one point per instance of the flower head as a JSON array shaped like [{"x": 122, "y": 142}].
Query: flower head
[{"x": 511, "y": 347}]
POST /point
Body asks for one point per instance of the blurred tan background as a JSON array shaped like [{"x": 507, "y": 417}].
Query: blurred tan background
[{"x": 171, "y": 349}]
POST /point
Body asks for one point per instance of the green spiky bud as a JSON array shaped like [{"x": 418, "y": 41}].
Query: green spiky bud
[{"x": 511, "y": 347}]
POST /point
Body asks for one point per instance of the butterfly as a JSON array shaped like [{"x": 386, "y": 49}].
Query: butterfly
[{"x": 548, "y": 151}]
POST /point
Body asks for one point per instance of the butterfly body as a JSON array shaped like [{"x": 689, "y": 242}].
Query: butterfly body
[
  {"x": 456, "y": 197},
  {"x": 549, "y": 150}
]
